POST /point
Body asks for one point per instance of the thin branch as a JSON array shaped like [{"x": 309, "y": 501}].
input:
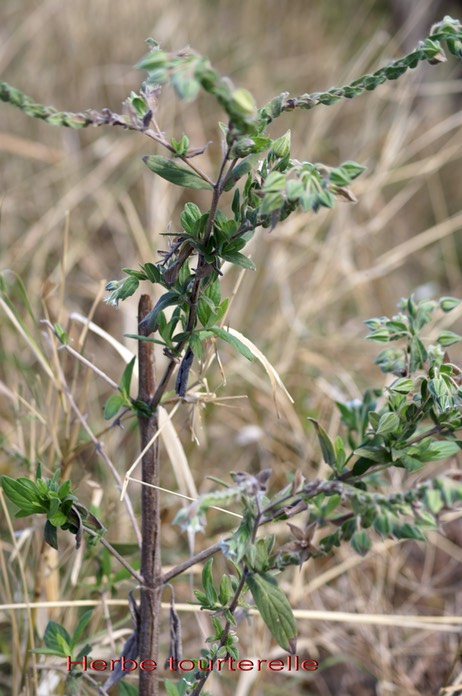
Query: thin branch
[
  {"x": 197, "y": 558},
  {"x": 115, "y": 553}
]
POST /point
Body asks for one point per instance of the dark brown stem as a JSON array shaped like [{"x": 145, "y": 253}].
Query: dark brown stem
[{"x": 151, "y": 569}]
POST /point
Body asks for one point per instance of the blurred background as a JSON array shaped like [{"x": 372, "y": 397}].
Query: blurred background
[{"x": 78, "y": 206}]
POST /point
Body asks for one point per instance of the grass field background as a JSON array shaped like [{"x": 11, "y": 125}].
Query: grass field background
[{"x": 77, "y": 206}]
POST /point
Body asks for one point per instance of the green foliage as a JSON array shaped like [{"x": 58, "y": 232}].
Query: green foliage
[
  {"x": 275, "y": 609},
  {"x": 175, "y": 173},
  {"x": 52, "y": 498},
  {"x": 58, "y": 641},
  {"x": 415, "y": 424}
]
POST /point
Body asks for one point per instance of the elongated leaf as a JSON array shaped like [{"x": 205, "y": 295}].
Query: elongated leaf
[
  {"x": 149, "y": 323},
  {"x": 127, "y": 378},
  {"x": 81, "y": 626},
  {"x": 175, "y": 173},
  {"x": 112, "y": 406},
  {"x": 50, "y": 535},
  {"x": 275, "y": 610},
  {"x": 207, "y": 583},
  {"x": 238, "y": 259},
  {"x": 443, "y": 449},
  {"x": 21, "y": 491},
  {"x": 448, "y": 338},
  {"x": 233, "y": 341},
  {"x": 327, "y": 448}
]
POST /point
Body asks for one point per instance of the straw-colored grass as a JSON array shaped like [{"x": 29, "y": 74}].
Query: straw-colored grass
[{"x": 76, "y": 207}]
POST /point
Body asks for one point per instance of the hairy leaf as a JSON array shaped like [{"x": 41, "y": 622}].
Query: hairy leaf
[
  {"x": 175, "y": 173},
  {"x": 275, "y": 609}
]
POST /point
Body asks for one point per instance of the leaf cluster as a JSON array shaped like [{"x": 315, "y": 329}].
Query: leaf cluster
[{"x": 55, "y": 500}]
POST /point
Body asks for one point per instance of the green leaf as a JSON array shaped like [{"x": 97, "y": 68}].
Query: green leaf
[
  {"x": 327, "y": 448},
  {"x": 381, "y": 335},
  {"x": 207, "y": 583},
  {"x": 408, "y": 531},
  {"x": 440, "y": 393},
  {"x": 271, "y": 202},
  {"x": 57, "y": 519},
  {"x": 447, "y": 304},
  {"x": 149, "y": 322},
  {"x": 433, "y": 500},
  {"x": 224, "y": 592},
  {"x": 139, "y": 104},
  {"x": 402, "y": 386},
  {"x": 152, "y": 61},
  {"x": 213, "y": 292},
  {"x": 233, "y": 341},
  {"x": 61, "y": 334},
  {"x": 170, "y": 688},
  {"x": 340, "y": 453},
  {"x": 244, "y": 167},
  {"x": 126, "y": 689},
  {"x": 81, "y": 626},
  {"x": 410, "y": 463},
  {"x": 418, "y": 354},
  {"x": 382, "y": 525},
  {"x": 21, "y": 491},
  {"x": 180, "y": 146},
  {"x": 281, "y": 146},
  {"x": 275, "y": 181},
  {"x": 243, "y": 103},
  {"x": 388, "y": 423},
  {"x": 126, "y": 379},
  {"x": 353, "y": 169},
  {"x": 275, "y": 610},
  {"x": 238, "y": 259},
  {"x": 175, "y": 173},
  {"x": 50, "y": 535},
  {"x": 448, "y": 338},
  {"x": 57, "y": 638},
  {"x": 190, "y": 215},
  {"x": 185, "y": 86},
  {"x": 360, "y": 542},
  {"x": 391, "y": 360},
  {"x": 332, "y": 502},
  {"x": 196, "y": 346},
  {"x": 339, "y": 177},
  {"x": 121, "y": 289},
  {"x": 206, "y": 311},
  {"x": 443, "y": 449},
  {"x": 152, "y": 272},
  {"x": 113, "y": 405}
]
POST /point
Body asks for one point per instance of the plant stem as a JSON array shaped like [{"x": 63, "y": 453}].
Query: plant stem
[
  {"x": 197, "y": 558},
  {"x": 151, "y": 570},
  {"x": 194, "y": 294},
  {"x": 114, "y": 553}
]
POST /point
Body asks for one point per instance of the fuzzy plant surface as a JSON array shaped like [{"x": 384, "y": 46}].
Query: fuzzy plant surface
[{"x": 413, "y": 421}]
